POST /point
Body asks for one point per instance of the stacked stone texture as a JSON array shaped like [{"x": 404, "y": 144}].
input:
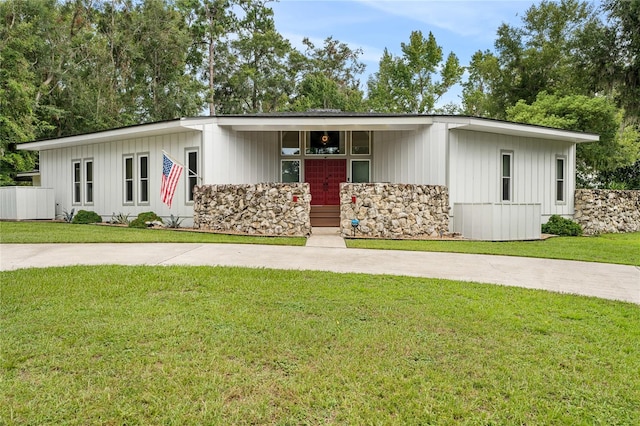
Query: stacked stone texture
[
  {"x": 254, "y": 209},
  {"x": 607, "y": 211},
  {"x": 399, "y": 211}
]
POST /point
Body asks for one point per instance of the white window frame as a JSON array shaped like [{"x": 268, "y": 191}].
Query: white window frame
[
  {"x": 509, "y": 198},
  {"x": 351, "y": 143},
  {"x": 351, "y": 168},
  {"x": 301, "y": 143},
  {"x": 76, "y": 185},
  {"x": 127, "y": 180},
  {"x": 143, "y": 180},
  {"x": 88, "y": 184},
  {"x": 300, "y": 172},
  {"x": 191, "y": 174},
  {"x": 561, "y": 181}
]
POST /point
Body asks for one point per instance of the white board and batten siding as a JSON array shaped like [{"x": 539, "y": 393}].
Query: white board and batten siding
[
  {"x": 26, "y": 203},
  {"x": 475, "y": 184},
  {"x": 240, "y": 157},
  {"x": 108, "y": 171},
  {"x": 409, "y": 156}
]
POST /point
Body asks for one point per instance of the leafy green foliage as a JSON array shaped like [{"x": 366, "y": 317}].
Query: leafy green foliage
[
  {"x": 406, "y": 83},
  {"x": 85, "y": 217},
  {"x": 585, "y": 114},
  {"x": 143, "y": 219},
  {"x": 558, "y": 225}
]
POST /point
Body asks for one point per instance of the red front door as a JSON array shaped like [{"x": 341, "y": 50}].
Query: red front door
[{"x": 324, "y": 178}]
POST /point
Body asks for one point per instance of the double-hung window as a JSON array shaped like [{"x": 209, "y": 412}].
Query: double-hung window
[
  {"x": 506, "y": 159},
  {"x": 560, "y": 179},
  {"x": 82, "y": 177},
  {"x": 143, "y": 178},
  {"x": 192, "y": 172},
  {"x": 128, "y": 179},
  {"x": 77, "y": 182},
  {"x": 88, "y": 181}
]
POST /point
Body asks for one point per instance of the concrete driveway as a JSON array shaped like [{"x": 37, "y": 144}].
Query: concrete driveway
[{"x": 616, "y": 282}]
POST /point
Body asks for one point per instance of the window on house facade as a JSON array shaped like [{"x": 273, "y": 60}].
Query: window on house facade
[
  {"x": 325, "y": 142},
  {"x": 128, "y": 180},
  {"x": 507, "y": 176},
  {"x": 88, "y": 181},
  {"x": 290, "y": 170},
  {"x": 290, "y": 143},
  {"x": 560, "y": 179},
  {"x": 360, "y": 171},
  {"x": 360, "y": 143},
  {"x": 77, "y": 182},
  {"x": 192, "y": 172},
  {"x": 143, "y": 178}
]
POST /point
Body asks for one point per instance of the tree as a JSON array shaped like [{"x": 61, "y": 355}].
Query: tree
[
  {"x": 329, "y": 78},
  {"x": 617, "y": 146},
  {"x": 254, "y": 77},
  {"x": 210, "y": 22},
  {"x": 622, "y": 68},
  {"x": 406, "y": 83},
  {"x": 540, "y": 55},
  {"x": 478, "y": 98},
  {"x": 20, "y": 45}
]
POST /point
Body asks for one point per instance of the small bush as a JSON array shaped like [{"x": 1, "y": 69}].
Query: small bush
[
  {"x": 173, "y": 222},
  {"x": 558, "y": 225},
  {"x": 86, "y": 216},
  {"x": 120, "y": 219},
  {"x": 68, "y": 216},
  {"x": 143, "y": 218}
]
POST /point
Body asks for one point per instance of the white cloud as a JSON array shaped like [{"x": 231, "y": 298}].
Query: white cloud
[{"x": 465, "y": 18}]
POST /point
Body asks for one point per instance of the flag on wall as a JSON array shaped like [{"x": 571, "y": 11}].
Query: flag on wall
[{"x": 171, "y": 171}]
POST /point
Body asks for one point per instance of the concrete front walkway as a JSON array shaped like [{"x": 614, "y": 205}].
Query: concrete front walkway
[{"x": 617, "y": 282}]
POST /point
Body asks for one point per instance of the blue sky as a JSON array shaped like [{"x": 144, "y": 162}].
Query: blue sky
[{"x": 462, "y": 27}]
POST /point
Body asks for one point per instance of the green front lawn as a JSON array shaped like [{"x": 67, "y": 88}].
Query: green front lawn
[
  {"x": 56, "y": 232},
  {"x": 197, "y": 345},
  {"x": 607, "y": 248}
]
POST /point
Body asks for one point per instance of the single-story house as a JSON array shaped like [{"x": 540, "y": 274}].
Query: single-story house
[{"x": 498, "y": 174}]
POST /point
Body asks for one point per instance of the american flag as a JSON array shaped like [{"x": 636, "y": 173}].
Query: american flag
[{"x": 171, "y": 171}]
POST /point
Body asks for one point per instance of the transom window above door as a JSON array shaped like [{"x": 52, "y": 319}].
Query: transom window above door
[{"x": 325, "y": 142}]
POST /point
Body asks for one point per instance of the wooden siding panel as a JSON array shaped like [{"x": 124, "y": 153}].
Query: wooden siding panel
[{"x": 475, "y": 169}]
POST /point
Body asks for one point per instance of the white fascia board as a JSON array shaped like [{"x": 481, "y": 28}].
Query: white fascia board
[
  {"x": 516, "y": 129},
  {"x": 131, "y": 132},
  {"x": 323, "y": 123}
]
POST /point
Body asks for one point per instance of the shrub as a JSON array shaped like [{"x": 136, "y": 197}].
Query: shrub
[
  {"x": 558, "y": 225},
  {"x": 120, "y": 219},
  {"x": 143, "y": 218},
  {"x": 86, "y": 216},
  {"x": 173, "y": 222},
  {"x": 68, "y": 216}
]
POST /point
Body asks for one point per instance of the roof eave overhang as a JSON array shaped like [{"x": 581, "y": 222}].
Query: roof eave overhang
[
  {"x": 516, "y": 129},
  {"x": 125, "y": 133},
  {"x": 323, "y": 123}
]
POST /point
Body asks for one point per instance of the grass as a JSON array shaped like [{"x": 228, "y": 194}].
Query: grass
[
  {"x": 197, "y": 345},
  {"x": 56, "y": 232},
  {"x": 607, "y": 248}
]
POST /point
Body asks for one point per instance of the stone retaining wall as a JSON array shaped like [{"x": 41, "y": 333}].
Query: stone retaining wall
[
  {"x": 607, "y": 211},
  {"x": 394, "y": 210},
  {"x": 278, "y": 209}
]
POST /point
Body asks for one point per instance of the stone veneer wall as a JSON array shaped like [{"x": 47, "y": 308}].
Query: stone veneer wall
[
  {"x": 607, "y": 211},
  {"x": 388, "y": 210},
  {"x": 255, "y": 209}
]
